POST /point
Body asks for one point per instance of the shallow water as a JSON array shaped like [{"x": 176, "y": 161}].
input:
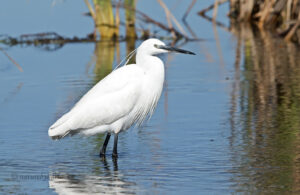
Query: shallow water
[
  {"x": 227, "y": 121},
  {"x": 173, "y": 151}
]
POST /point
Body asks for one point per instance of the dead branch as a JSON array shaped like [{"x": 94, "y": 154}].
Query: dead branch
[
  {"x": 48, "y": 41},
  {"x": 147, "y": 19},
  {"x": 203, "y": 11},
  {"x": 172, "y": 17},
  {"x": 219, "y": 24},
  {"x": 293, "y": 30},
  {"x": 188, "y": 10},
  {"x": 215, "y": 11},
  {"x": 167, "y": 16},
  {"x": 90, "y": 7}
]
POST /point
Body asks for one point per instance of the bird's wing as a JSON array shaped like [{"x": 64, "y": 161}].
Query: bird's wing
[
  {"x": 109, "y": 100},
  {"x": 113, "y": 82}
]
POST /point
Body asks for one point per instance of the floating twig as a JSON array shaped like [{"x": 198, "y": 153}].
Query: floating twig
[{"x": 44, "y": 40}]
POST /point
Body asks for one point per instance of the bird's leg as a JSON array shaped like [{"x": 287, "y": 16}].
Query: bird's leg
[
  {"x": 103, "y": 149},
  {"x": 115, "y": 162},
  {"x": 115, "y": 150}
]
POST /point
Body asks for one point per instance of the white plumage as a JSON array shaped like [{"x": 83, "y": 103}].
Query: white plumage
[{"x": 124, "y": 97}]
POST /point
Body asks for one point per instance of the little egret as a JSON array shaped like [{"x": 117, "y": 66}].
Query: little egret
[{"x": 127, "y": 96}]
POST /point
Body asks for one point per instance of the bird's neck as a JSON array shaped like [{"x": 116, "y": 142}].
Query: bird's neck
[{"x": 149, "y": 63}]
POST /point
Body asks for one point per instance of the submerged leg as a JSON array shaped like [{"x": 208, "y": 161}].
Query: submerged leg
[
  {"x": 115, "y": 150},
  {"x": 103, "y": 149}
]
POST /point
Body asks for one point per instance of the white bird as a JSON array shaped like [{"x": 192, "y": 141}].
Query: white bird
[{"x": 126, "y": 96}]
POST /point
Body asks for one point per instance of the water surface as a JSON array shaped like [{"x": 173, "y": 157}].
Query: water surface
[{"x": 227, "y": 121}]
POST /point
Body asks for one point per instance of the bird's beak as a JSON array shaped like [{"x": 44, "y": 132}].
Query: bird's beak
[{"x": 168, "y": 48}]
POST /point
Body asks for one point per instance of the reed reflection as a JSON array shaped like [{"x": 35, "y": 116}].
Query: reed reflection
[
  {"x": 104, "y": 59},
  {"x": 106, "y": 55},
  {"x": 265, "y": 113}
]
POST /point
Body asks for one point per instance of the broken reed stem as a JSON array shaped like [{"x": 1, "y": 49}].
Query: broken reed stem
[
  {"x": 288, "y": 10},
  {"x": 212, "y": 6},
  {"x": 215, "y": 11},
  {"x": 281, "y": 16},
  {"x": 105, "y": 19},
  {"x": 293, "y": 30},
  {"x": 130, "y": 19},
  {"x": 108, "y": 25},
  {"x": 118, "y": 16},
  {"x": 90, "y": 7},
  {"x": 172, "y": 17},
  {"x": 167, "y": 16},
  {"x": 148, "y": 19},
  {"x": 188, "y": 10},
  {"x": 219, "y": 24}
]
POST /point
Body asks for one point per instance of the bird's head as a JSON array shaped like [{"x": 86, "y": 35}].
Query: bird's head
[{"x": 155, "y": 47}]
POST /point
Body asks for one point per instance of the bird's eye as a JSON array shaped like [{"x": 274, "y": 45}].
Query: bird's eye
[{"x": 156, "y": 46}]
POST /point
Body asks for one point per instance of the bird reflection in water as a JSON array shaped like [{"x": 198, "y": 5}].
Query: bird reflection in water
[{"x": 109, "y": 181}]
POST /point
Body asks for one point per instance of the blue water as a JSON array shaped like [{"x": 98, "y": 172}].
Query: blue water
[{"x": 200, "y": 139}]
